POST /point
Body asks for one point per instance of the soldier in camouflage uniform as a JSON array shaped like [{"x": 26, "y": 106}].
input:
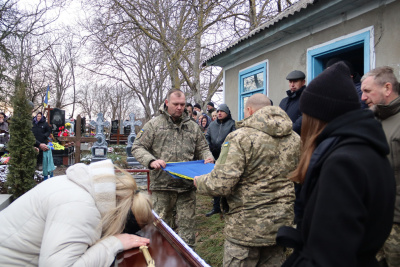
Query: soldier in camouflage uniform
[
  {"x": 172, "y": 137},
  {"x": 252, "y": 172}
]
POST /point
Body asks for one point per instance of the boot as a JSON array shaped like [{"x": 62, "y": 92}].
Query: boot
[{"x": 212, "y": 212}]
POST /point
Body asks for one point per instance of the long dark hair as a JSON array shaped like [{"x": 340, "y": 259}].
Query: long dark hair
[{"x": 311, "y": 128}]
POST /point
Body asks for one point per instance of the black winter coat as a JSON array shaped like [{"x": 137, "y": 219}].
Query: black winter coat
[
  {"x": 217, "y": 132},
  {"x": 290, "y": 105},
  {"x": 348, "y": 196},
  {"x": 41, "y": 131}
]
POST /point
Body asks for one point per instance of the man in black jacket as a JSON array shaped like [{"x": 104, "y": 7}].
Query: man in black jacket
[
  {"x": 41, "y": 130},
  {"x": 290, "y": 104},
  {"x": 216, "y": 134}
]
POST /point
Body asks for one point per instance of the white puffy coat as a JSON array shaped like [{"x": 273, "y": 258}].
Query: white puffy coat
[{"x": 57, "y": 223}]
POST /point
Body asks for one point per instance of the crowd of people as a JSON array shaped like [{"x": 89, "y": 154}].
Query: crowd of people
[
  {"x": 319, "y": 174},
  {"x": 334, "y": 183}
]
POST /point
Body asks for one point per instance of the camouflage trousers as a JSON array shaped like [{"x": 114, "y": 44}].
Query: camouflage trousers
[
  {"x": 391, "y": 248},
  {"x": 241, "y": 256},
  {"x": 167, "y": 203}
]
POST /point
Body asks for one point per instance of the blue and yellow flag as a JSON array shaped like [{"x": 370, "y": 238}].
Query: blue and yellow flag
[
  {"x": 47, "y": 97},
  {"x": 188, "y": 170}
]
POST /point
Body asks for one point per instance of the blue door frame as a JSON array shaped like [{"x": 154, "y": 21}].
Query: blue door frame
[{"x": 315, "y": 56}]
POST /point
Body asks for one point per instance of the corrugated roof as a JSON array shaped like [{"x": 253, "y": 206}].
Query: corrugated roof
[{"x": 301, "y": 4}]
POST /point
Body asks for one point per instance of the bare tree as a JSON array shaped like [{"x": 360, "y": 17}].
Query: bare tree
[
  {"x": 134, "y": 61},
  {"x": 86, "y": 99},
  {"x": 61, "y": 62},
  {"x": 179, "y": 26},
  {"x": 23, "y": 45},
  {"x": 119, "y": 99},
  {"x": 185, "y": 32}
]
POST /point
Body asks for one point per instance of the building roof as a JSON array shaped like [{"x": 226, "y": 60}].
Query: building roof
[{"x": 301, "y": 4}]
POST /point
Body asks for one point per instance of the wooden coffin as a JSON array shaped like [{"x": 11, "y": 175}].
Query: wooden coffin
[{"x": 166, "y": 248}]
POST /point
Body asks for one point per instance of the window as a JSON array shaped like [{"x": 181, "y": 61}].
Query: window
[{"x": 251, "y": 81}]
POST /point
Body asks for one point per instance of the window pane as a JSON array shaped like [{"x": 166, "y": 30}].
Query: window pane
[
  {"x": 245, "y": 100},
  {"x": 253, "y": 82}
]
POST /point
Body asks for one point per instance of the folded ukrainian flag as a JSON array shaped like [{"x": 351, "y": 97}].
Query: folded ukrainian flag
[{"x": 188, "y": 170}]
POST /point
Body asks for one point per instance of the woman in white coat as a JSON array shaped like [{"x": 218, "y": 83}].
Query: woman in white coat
[{"x": 74, "y": 220}]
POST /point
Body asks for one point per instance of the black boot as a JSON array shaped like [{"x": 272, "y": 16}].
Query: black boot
[{"x": 212, "y": 212}]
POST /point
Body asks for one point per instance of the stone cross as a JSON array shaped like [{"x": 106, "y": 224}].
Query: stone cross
[
  {"x": 132, "y": 123},
  {"x": 99, "y": 149},
  {"x": 99, "y": 124}
]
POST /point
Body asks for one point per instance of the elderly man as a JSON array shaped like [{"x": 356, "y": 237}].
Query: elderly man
[
  {"x": 381, "y": 93},
  {"x": 290, "y": 104},
  {"x": 172, "y": 137},
  {"x": 251, "y": 172}
]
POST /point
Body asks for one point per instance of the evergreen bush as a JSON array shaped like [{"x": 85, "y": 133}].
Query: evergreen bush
[{"x": 20, "y": 178}]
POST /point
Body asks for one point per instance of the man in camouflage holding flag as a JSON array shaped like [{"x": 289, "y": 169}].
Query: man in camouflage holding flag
[
  {"x": 172, "y": 137},
  {"x": 251, "y": 172}
]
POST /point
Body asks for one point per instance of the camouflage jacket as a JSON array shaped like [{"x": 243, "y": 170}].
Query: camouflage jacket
[
  {"x": 252, "y": 172},
  {"x": 161, "y": 138}
]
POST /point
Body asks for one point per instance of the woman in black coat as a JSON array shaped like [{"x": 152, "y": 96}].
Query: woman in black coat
[
  {"x": 41, "y": 130},
  {"x": 347, "y": 197}
]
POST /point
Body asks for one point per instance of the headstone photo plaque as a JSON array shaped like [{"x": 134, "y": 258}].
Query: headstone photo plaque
[{"x": 57, "y": 119}]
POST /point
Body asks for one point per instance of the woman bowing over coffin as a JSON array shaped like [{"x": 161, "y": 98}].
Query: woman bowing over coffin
[{"x": 74, "y": 220}]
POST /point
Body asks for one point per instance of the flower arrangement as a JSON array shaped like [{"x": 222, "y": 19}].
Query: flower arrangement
[
  {"x": 4, "y": 159},
  {"x": 56, "y": 146},
  {"x": 63, "y": 131},
  {"x": 68, "y": 125}
]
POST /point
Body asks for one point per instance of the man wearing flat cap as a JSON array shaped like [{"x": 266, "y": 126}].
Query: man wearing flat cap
[{"x": 290, "y": 104}]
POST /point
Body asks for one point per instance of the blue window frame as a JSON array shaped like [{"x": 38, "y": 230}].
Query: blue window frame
[
  {"x": 316, "y": 56},
  {"x": 251, "y": 81}
]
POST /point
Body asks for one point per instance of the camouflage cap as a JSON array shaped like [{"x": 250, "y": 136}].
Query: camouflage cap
[{"x": 296, "y": 75}]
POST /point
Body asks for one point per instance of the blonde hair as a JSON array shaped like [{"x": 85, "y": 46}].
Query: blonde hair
[
  {"x": 311, "y": 128},
  {"x": 127, "y": 198}
]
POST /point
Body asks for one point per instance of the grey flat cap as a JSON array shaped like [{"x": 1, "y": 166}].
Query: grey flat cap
[{"x": 296, "y": 75}]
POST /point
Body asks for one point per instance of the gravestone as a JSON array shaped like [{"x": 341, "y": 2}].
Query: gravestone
[
  {"x": 127, "y": 129},
  {"x": 83, "y": 126},
  {"x": 131, "y": 138},
  {"x": 114, "y": 127},
  {"x": 57, "y": 119},
  {"x": 99, "y": 149}
]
